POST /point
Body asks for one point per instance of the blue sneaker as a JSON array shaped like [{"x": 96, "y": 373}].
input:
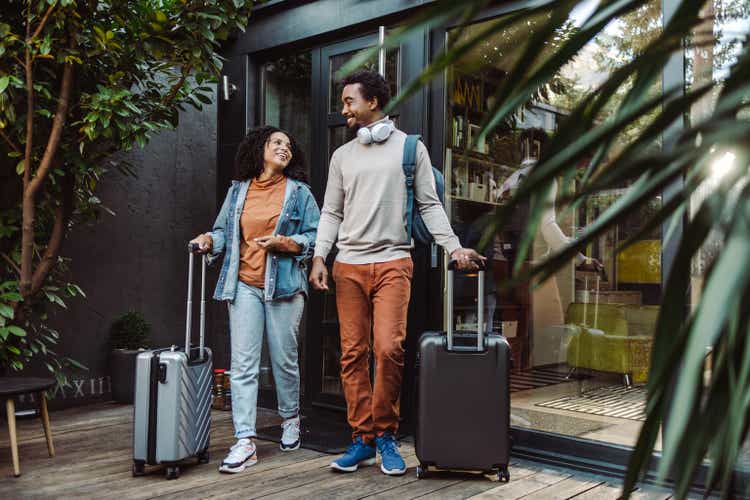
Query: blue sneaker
[
  {"x": 390, "y": 458},
  {"x": 358, "y": 453}
]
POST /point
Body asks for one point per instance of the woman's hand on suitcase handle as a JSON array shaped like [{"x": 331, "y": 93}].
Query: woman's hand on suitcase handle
[
  {"x": 203, "y": 242},
  {"x": 467, "y": 259}
]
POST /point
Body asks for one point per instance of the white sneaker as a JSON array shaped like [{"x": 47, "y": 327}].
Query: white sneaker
[
  {"x": 290, "y": 438},
  {"x": 241, "y": 456}
]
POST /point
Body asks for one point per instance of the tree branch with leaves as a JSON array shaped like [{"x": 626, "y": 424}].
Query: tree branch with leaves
[{"x": 79, "y": 82}]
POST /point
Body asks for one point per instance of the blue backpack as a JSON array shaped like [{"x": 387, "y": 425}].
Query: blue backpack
[{"x": 415, "y": 226}]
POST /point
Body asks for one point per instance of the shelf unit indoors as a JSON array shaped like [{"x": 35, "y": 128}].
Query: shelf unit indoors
[{"x": 475, "y": 168}]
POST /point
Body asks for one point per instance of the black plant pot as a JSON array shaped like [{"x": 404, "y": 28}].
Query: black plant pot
[{"x": 122, "y": 366}]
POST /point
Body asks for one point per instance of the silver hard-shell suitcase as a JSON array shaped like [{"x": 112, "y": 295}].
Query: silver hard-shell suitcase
[
  {"x": 172, "y": 404},
  {"x": 463, "y": 397}
]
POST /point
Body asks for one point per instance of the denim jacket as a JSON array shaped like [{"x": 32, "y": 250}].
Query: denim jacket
[{"x": 286, "y": 275}]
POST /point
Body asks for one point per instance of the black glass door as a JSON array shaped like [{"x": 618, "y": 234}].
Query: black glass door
[{"x": 323, "y": 379}]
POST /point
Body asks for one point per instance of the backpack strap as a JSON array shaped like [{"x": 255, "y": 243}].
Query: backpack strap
[{"x": 409, "y": 164}]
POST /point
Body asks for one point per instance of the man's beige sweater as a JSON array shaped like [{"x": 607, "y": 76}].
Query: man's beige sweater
[{"x": 364, "y": 211}]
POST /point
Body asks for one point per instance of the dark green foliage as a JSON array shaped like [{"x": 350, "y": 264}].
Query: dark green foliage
[
  {"x": 130, "y": 331},
  {"x": 99, "y": 78},
  {"x": 658, "y": 151}
]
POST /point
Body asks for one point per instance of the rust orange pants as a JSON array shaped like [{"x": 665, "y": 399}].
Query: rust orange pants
[{"x": 372, "y": 298}]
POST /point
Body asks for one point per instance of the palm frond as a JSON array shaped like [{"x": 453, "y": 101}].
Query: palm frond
[{"x": 705, "y": 419}]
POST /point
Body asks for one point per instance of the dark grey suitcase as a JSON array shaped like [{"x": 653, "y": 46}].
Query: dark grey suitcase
[
  {"x": 172, "y": 404},
  {"x": 463, "y": 399}
]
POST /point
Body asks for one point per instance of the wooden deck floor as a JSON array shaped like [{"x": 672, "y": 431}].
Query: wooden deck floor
[{"x": 93, "y": 460}]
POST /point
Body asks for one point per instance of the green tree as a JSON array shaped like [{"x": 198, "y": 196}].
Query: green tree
[{"x": 79, "y": 82}]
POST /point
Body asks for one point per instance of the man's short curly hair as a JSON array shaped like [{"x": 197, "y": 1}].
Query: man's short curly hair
[
  {"x": 248, "y": 163},
  {"x": 373, "y": 85}
]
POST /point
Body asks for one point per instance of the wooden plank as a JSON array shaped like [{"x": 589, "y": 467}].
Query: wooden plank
[
  {"x": 93, "y": 452},
  {"x": 327, "y": 483},
  {"x": 651, "y": 493},
  {"x": 255, "y": 480},
  {"x": 213, "y": 483},
  {"x": 90, "y": 474},
  {"x": 94, "y": 457},
  {"x": 98, "y": 417},
  {"x": 602, "y": 492},
  {"x": 49, "y": 471},
  {"x": 65, "y": 446},
  {"x": 565, "y": 489},
  {"x": 88, "y": 456},
  {"x": 123, "y": 485},
  {"x": 298, "y": 474},
  {"x": 78, "y": 421},
  {"x": 440, "y": 480},
  {"x": 519, "y": 488},
  {"x": 422, "y": 487}
]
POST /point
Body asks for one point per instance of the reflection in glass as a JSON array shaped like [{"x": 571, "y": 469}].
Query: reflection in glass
[
  {"x": 331, "y": 365},
  {"x": 338, "y": 61},
  {"x": 580, "y": 341},
  {"x": 287, "y": 97},
  {"x": 338, "y": 136},
  {"x": 716, "y": 44},
  {"x": 287, "y": 104}
]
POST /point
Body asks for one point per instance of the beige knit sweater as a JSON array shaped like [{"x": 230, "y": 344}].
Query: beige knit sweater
[{"x": 365, "y": 203}]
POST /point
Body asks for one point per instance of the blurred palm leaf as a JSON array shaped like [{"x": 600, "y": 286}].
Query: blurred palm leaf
[{"x": 706, "y": 420}]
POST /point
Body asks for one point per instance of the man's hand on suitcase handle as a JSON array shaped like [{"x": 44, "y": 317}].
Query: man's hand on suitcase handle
[
  {"x": 466, "y": 259},
  {"x": 203, "y": 243},
  {"x": 590, "y": 265}
]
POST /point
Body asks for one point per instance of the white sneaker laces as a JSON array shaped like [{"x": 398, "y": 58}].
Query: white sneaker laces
[
  {"x": 291, "y": 430},
  {"x": 240, "y": 451}
]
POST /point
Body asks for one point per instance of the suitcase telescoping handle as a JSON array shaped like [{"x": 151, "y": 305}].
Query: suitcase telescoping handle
[
  {"x": 480, "y": 304},
  {"x": 192, "y": 248},
  {"x": 586, "y": 299}
]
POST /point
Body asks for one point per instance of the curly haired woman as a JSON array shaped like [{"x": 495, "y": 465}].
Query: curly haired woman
[{"x": 266, "y": 230}]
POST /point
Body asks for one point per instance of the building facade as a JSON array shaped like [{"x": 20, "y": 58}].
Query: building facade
[{"x": 581, "y": 342}]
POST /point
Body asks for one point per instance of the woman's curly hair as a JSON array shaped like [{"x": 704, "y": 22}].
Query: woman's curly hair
[{"x": 248, "y": 163}]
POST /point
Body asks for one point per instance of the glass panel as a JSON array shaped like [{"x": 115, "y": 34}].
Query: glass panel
[
  {"x": 723, "y": 22},
  {"x": 331, "y": 365},
  {"x": 580, "y": 341},
  {"x": 287, "y": 97},
  {"x": 720, "y": 40},
  {"x": 337, "y": 136},
  {"x": 287, "y": 104},
  {"x": 391, "y": 74}
]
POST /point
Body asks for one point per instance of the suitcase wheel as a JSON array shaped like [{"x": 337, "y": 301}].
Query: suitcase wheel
[
  {"x": 421, "y": 471},
  {"x": 503, "y": 475},
  {"x": 139, "y": 468},
  {"x": 203, "y": 457},
  {"x": 173, "y": 472}
]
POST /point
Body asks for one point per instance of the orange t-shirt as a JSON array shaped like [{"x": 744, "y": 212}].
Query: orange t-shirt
[{"x": 260, "y": 214}]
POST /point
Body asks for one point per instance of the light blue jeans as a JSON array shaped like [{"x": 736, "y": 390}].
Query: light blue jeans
[{"x": 249, "y": 317}]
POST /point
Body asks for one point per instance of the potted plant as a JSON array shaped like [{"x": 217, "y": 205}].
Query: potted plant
[{"x": 128, "y": 335}]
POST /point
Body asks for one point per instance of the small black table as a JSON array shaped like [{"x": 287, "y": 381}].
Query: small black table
[{"x": 15, "y": 386}]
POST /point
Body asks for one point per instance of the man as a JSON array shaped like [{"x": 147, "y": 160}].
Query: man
[{"x": 364, "y": 214}]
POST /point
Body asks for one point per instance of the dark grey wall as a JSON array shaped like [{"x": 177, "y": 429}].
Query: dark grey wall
[
  {"x": 288, "y": 22},
  {"x": 137, "y": 259}
]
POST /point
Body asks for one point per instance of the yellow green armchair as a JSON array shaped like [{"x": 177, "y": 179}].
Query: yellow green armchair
[{"x": 613, "y": 338}]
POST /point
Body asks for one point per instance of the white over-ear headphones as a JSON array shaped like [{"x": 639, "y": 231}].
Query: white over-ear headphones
[{"x": 378, "y": 133}]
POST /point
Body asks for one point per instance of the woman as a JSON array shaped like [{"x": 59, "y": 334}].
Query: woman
[{"x": 266, "y": 229}]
